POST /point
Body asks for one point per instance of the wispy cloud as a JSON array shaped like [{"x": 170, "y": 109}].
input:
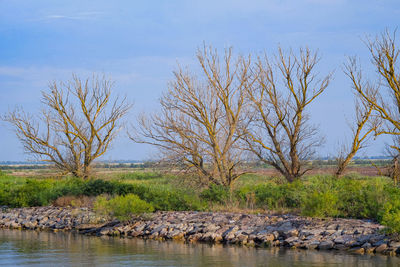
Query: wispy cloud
[{"x": 87, "y": 15}]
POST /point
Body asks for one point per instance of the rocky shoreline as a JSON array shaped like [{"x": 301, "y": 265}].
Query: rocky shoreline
[{"x": 355, "y": 236}]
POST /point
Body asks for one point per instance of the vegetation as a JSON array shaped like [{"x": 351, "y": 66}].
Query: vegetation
[
  {"x": 122, "y": 207},
  {"x": 131, "y": 193},
  {"x": 206, "y": 126}
]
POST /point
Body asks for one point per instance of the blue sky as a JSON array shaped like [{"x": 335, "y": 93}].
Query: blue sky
[{"x": 138, "y": 45}]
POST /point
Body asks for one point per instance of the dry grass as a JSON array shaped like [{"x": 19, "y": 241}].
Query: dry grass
[{"x": 74, "y": 201}]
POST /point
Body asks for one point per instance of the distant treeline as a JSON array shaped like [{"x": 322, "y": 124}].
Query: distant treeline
[{"x": 152, "y": 164}]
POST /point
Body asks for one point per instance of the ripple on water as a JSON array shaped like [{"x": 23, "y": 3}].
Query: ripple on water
[{"x": 29, "y": 248}]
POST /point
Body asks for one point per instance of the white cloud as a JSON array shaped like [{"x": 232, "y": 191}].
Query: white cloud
[{"x": 86, "y": 15}]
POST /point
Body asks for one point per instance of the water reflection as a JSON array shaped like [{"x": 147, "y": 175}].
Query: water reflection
[{"x": 31, "y": 248}]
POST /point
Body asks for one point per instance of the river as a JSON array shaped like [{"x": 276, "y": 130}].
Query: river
[{"x": 30, "y": 248}]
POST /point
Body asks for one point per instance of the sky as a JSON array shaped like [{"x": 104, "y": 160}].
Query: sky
[{"x": 138, "y": 44}]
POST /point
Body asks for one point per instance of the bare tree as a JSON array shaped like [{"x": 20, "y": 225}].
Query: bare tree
[
  {"x": 198, "y": 126},
  {"x": 280, "y": 133},
  {"x": 386, "y": 103},
  {"x": 365, "y": 123},
  {"x": 77, "y": 125}
]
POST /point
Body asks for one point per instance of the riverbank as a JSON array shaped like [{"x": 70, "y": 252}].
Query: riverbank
[{"x": 355, "y": 236}]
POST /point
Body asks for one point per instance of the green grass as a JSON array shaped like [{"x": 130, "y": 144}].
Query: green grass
[
  {"x": 352, "y": 196},
  {"x": 122, "y": 207}
]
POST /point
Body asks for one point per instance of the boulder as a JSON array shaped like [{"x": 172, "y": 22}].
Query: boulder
[{"x": 325, "y": 245}]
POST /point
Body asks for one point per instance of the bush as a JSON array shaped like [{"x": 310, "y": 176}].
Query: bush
[
  {"x": 31, "y": 193},
  {"x": 216, "y": 193},
  {"x": 98, "y": 187},
  {"x": 389, "y": 214},
  {"x": 122, "y": 207},
  {"x": 321, "y": 204},
  {"x": 164, "y": 198},
  {"x": 279, "y": 196}
]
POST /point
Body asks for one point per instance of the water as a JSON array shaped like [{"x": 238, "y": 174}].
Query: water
[{"x": 29, "y": 248}]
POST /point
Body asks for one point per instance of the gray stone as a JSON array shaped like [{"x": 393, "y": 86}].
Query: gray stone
[
  {"x": 230, "y": 231},
  {"x": 394, "y": 244},
  {"x": 324, "y": 245},
  {"x": 312, "y": 244},
  {"x": 290, "y": 241},
  {"x": 344, "y": 239}
]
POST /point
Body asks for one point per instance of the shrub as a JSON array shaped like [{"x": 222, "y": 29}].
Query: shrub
[
  {"x": 216, "y": 193},
  {"x": 97, "y": 187},
  {"x": 164, "y": 198},
  {"x": 321, "y": 204},
  {"x": 122, "y": 207},
  {"x": 279, "y": 196},
  {"x": 32, "y": 193},
  {"x": 389, "y": 214}
]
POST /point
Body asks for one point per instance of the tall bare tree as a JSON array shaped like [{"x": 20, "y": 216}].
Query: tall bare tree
[
  {"x": 198, "y": 126},
  {"x": 280, "y": 133},
  {"x": 384, "y": 57},
  {"x": 365, "y": 122},
  {"x": 78, "y": 123}
]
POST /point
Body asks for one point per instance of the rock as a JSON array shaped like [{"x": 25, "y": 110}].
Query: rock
[
  {"x": 376, "y": 238},
  {"x": 340, "y": 247},
  {"x": 329, "y": 232},
  {"x": 105, "y": 231},
  {"x": 217, "y": 238},
  {"x": 241, "y": 239},
  {"x": 284, "y": 227},
  {"x": 312, "y": 245},
  {"x": 380, "y": 242},
  {"x": 394, "y": 244},
  {"x": 324, "y": 245},
  {"x": 381, "y": 248},
  {"x": 276, "y": 234},
  {"x": 332, "y": 227},
  {"x": 369, "y": 250},
  {"x": 290, "y": 241},
  {"x": 357, "y": 250},
  {"x": 290, "y": 233},
  {"x": 364, "y": 238},
  {"x": 230, "y": 231},
  {"x": 389, "y": 251},
  {"x": 358, "y": 236},
  {"x": 366, "y": 245},
  {"x": 344, "y": 239},
  {"x": 211, "y": 228}
]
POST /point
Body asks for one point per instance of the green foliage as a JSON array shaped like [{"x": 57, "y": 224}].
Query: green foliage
[
  {"x": 274, "y": 196},
  {"x": 216, "y": 193},
  {"x": 389, "y": 214},
  {"x": 140, "y": 176},
  {"x": 122, "y": 207},
  {"x": 321, "y": 204},
  {"x": 34, "y": 192},
  {"x": 30, "y": 193},
  {"x": 164, "y": 198},
  {"x": 351, "y": 196}
]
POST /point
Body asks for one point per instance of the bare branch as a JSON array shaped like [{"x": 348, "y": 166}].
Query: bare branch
[
  {"x": 280, "y": 133},
  {"x": 78, "y": 123},
  {"x": 200, "y": 117}
]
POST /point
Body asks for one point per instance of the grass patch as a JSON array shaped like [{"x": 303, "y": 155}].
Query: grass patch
[
  {"x": 122, "y": 207},
  {"x": 352, "y": 196}
]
